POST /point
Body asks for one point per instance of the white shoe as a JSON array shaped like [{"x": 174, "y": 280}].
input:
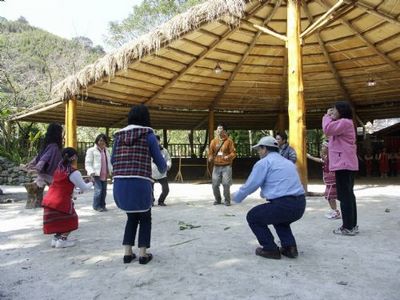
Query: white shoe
[
  {"x": 329, "y": 214},
  {"x": 54, "y": 241},
  {"x": 64, "y": 243},
  {"x": 333, "y": 214}
]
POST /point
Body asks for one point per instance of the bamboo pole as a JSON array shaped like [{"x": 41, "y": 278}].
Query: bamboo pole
[
  {"x": 210, "y": 126},
  {"x": 70, "y": 122},
  {"x": 65, "y": 123},
  {"x": 281, "y": 126},
  {"x": 165, "y": 138},
  {"x": 296, "y": 89}
]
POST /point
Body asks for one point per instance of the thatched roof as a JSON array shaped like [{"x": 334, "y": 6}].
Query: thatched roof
[{"x": 172, "y": 68}]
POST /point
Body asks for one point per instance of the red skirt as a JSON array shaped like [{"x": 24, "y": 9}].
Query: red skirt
[
  {"x": 58, "y": 222},
  {"x": 330, "y": 185}
]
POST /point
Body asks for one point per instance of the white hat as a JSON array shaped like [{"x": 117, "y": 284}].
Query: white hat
[{"x": 267, "y": 141}]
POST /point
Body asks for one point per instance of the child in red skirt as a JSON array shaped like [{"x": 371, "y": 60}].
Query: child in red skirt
[
  {"x": 329, "y": 180},
  {"x": 59, "y": 216}
]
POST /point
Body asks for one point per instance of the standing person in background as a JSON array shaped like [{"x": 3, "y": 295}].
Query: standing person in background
[
  {"x": 161, "y": 177},
  {"x": 45, "y": 164},
  {"x": 337, "y": 123},
  {"x": 383, "y": 159},
  {"x": 368, "y": 158},
  {"x": 281, "y": 188},
  {"x": 221, "y": 153},
  {"x": 98, "y": 165},
  {"x": 329, "y": 179},
  {"x": 392, "y": 164},
  {"x": 397, "y": 156},
  {"x": 134, "y": 148},
  {"x": 59, "y": 216},
  {"x": 284, "y": 149}
]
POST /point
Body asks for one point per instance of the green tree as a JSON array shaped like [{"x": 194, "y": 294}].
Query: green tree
[{"x": 144, "y": 18}]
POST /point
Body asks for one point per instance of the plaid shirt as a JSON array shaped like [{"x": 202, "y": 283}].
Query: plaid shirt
[{"x": 131, "y": 156}]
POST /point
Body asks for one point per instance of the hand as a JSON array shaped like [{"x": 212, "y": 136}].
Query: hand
[
  {"x": 308, "y": 155},
  {"x": 210, "y": 159},
  {"x": 226, "y": 157}
]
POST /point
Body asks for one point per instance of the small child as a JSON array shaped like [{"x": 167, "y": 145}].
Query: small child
[
  {"x": 59, "y": 216},
  {"x": 329, "y": 180}
]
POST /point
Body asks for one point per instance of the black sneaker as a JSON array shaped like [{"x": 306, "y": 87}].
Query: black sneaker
[
  {"x": 268, "y": 254},
  {"x": 289, "y": 251},
  {"x": 217, "y": 202}
]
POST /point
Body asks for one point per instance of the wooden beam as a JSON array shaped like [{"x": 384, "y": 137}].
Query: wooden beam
[
  {"x": 243, "y": 59},
  {"x": 322, "y": 20},
  {"x": 271, "y": 32},
  {"x": 297, "y": 130},
  {"x": 365, "y": 40},
  {"x": 204, "y": 53},
  {"x": 374, "y": 11}
]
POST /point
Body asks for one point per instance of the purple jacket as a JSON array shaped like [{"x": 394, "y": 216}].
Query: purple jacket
[
  {"x": 47, "y": 161},
  {"x": 342, "y": 143}
]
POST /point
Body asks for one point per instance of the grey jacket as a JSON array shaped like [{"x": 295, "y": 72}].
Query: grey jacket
[{"x": 288, "y": 152}]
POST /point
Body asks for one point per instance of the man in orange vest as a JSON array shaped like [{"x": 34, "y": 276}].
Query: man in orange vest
[{"x": 221, "y": 153}]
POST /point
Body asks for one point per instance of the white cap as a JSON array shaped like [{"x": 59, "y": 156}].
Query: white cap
[{"x": 267, "y": 141}]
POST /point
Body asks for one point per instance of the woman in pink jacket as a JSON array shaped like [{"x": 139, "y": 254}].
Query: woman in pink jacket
[{"x": 338, "y": 125}]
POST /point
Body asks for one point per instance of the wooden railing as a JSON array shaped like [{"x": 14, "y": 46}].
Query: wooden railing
[{"x": 243, "y": 150}]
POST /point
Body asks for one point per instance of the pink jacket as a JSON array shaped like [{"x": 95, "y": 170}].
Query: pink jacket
[{"x": 342, "y": 143}]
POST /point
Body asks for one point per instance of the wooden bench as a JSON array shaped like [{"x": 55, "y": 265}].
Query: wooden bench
[{"x": 179, "y": 176}]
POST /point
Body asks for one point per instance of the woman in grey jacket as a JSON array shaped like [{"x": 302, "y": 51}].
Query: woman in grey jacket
[{"x": 98, "y": 165}]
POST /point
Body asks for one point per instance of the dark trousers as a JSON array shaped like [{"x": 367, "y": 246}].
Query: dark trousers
[
  {"x": 100, "y": 193},
  {"x": 345, "y": 193},
  {"x": 143, "y": 220},
  {"x": 164, "y": 189},
  {"x": 280, "y": 213}
]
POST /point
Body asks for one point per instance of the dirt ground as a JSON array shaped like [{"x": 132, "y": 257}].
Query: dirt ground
[{"x": 213, "y": 261}]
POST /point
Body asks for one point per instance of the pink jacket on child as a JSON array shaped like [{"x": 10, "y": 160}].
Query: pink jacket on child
[{"x": 342, "y": 143}]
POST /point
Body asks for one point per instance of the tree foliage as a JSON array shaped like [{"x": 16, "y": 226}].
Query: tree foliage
[
  {"x": 144, "y": 18},
  {"x": 32, "y": 61}
]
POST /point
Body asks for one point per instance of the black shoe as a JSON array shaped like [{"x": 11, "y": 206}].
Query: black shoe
[
  {"x": 129, "y": 258},
  {"x": 289, "y": 251},
  {"x": 217, "y": 202},
  {"x": 161, "y": 204},
  {"x": 227, "y": 203},
  {"x": 105, "y": 209},
  {"x": 145, "y": 259},
  {"x": 268, "y": 254}
]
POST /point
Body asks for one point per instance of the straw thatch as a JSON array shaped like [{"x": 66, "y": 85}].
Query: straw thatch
[{"x": 172, "y": 68}]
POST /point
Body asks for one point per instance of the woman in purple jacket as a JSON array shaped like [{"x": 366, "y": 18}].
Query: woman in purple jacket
[{"x": 338, "y": 125}]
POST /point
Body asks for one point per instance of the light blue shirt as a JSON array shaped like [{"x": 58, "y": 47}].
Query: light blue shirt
[{"x": 275, "y": 175}]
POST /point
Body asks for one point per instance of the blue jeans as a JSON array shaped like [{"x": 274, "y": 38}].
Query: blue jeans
[
  {"x": 143, "y": 220},
  {"x": 280, "y": 213},
  {"x": 100, "y": 192}
]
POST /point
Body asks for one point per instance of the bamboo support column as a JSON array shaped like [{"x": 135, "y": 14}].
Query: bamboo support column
[
  {"x": 210, "y": 126},
  {"x": 281, "y": 126},
  {"x": 297, "y": 132},
  {"x": 70, "y": 123},
  {"x": 165, "y": 138}
]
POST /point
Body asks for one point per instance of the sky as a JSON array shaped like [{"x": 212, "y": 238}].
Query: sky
[{"x": 69, "y": 18}]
